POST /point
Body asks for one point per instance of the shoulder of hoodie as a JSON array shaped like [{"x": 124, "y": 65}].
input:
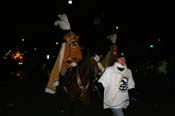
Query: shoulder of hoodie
[
  {"x": 129, "y": 70},
  {"x": 109, "y": 68}
]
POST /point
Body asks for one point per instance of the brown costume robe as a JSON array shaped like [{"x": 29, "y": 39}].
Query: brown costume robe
[{"x": 68, "y": 53}]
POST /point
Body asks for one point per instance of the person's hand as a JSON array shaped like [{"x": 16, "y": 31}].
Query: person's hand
[
  {"x": 56, "y": 83},
  {"x": 96, "y": 58},
  {"x": 73, "y": 64}
]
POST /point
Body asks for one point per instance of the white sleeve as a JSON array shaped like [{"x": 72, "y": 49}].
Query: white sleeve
[
  {"x": 131, "y": 83},
  {"x": 104, "y": 79}
]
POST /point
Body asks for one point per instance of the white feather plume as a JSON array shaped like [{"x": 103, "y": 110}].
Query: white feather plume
[
  {"x": 112, "y": 38},
  {"x": 63, "y": 23}
]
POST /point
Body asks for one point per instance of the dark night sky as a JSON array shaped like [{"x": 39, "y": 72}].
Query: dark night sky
[{"x": 33, "y": 20}]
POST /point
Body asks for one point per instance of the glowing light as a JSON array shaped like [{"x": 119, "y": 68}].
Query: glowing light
[
  {"x": 48, "y": 57},
  {"x": 22, "y": 39},
  {"x": 20, "y": 57},
  {"x": 17, "y": 55},
  {"x": 18, "y": 74},
  {"x": 20, "y": 63},
  {"x": 69, "y": 1},
  {"x": 158, "y": 39},
  {"x": 56, "y": 43},
  {"x": 4, "y": 57},
  {"x": 151, "y": 46},
  {"x": 116, "y": 27},
  {"x": 35, "y": 49}
]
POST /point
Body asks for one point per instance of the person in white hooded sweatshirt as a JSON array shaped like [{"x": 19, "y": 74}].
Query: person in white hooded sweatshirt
[{"x": 117, "y": 80}]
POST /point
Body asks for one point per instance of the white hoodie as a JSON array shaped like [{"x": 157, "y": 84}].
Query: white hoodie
[{"x": 116, "y": 84}]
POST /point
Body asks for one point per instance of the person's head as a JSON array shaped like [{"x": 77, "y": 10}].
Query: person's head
[
  {"x": 71, "y": 38},
  {"x": 121, "y": 58}
]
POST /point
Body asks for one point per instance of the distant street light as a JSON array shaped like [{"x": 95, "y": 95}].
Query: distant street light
[
  {"x": 48, "y": 56},
  {"x": 57, "y": 43},
  {"x": 158, "y": 39},
  {"x": 116, "y": 27},
  {"x": 151, "y": 46},
  {"x": 69, "y": 1},
  {"x": 22, "y": 39}
]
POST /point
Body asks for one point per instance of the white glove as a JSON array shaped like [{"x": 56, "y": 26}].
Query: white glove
[
  {"x": 63, "y": 22},
  {"x": 112, "y": 38},
  {"x": 101, "y": 67},
  {"x": 56, "y": 83},
  {"x": 47, "y": 90},
  {"x": 73, "y": 64},
  {"x": 96, "y": 58}
]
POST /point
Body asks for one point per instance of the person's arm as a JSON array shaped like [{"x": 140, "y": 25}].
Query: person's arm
[
  {"x": 131, "y": 83},
  {"x": 131, "y": 88}
]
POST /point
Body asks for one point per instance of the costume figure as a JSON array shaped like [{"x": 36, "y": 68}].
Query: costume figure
[{"x": 68, "y": 57}]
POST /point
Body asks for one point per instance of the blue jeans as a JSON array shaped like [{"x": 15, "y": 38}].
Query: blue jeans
[{"x": 117, "y": 112}]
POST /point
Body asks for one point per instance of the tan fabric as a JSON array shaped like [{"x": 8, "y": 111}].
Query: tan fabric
[
  {"x": 54, "y": 75},
  {"x": 72, "y": 54}
]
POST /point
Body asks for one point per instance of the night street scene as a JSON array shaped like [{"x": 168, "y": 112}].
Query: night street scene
[{"x": 86, "y": 58}]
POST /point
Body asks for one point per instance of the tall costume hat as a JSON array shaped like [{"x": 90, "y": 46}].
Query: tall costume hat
[
  {"x": 110, "y": 58},
  {"x": 68, "y": 57}
]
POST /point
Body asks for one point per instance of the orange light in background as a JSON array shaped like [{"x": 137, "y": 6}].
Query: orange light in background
[
  {"x": 17, "y": 55},
  {"x": 14, "y": 57},
  {"x": 20, "y": 57}
]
